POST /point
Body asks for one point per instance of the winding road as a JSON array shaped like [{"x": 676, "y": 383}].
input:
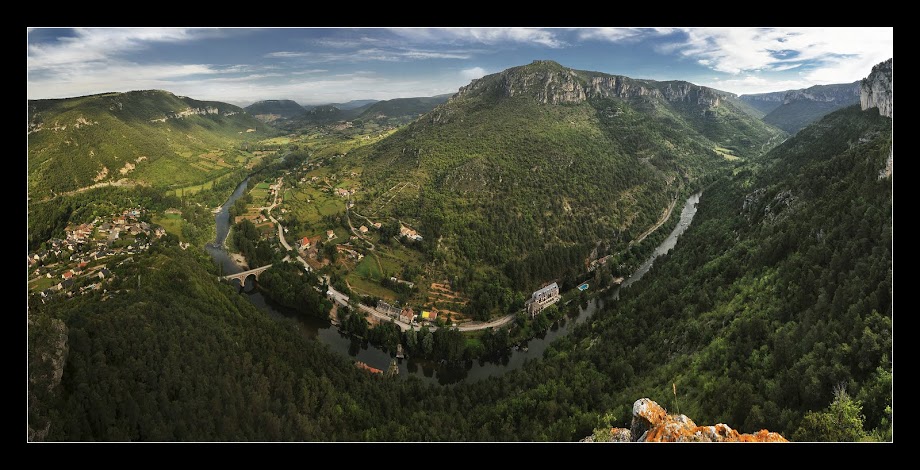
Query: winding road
[{"x": 344, "y": 300}]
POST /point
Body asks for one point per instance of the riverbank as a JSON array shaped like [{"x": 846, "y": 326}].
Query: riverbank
[
  {"x": 468, "y": 368},
  {"x": 240, "y": 260}
]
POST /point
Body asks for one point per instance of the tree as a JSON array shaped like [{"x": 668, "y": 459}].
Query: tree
[
  {"x": 841, "y": 422},
  {"x": 426, "y": 339}
]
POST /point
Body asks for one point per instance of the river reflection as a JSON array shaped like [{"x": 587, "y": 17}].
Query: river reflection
[{"x": 432, "y": 371}]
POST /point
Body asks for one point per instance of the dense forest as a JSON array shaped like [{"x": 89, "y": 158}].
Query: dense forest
[
  {"x": 774, "y": 310},
  {"x": 510, "y": 192}
]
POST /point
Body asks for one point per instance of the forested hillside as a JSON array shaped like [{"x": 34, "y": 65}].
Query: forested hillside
[
  {"x": 778, "y": 294},
  {"x": 517, "y": 178},
  {"x": 149, "y": 137}
]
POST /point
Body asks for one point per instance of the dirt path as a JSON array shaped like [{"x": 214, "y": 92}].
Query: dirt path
[{"x": 664, "y": 218}]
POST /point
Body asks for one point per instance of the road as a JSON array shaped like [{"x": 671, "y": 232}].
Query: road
[
  {"x": 343, "y": 299},
  {"x": 284, "y": 242},
  {"x": 664, "y": 218}
]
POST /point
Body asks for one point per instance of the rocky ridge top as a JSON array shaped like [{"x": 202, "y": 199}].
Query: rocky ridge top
[
  {"x": 876, "y": 89},
  {"x": 652, "y": 423}
]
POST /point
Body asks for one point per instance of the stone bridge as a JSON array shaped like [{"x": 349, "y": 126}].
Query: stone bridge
[{"x": 243, "y": 275}]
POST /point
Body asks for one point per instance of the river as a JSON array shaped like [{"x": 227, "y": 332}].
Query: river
[{"x": 429, "y": 371}]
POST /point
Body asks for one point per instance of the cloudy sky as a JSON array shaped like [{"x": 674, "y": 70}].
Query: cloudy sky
[{"x": 323, "y": 65}]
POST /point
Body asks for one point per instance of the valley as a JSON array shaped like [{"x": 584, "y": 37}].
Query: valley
[{"x": 462, "y": 266}]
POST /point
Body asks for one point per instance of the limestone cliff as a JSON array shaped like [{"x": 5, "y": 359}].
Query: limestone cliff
[
  {"x": 48, "y": 350},
  {"x": 652, "y": 423},
  {"x": 876, "y": 89},
  {"x": 551, "y": 83}
]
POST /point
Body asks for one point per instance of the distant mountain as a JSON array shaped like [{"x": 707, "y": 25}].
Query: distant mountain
[
  {"x": 521, "y": 173},
  {"x": 394, "y": 112},
  {"x": 353, "y": 104},
  {"x": 150, "y": 137},
  {"x": 798, "y": 108},
  {"x": 271, "y": 110},
  {"x": 765, "y": 103},
  {"x": 403, "y": 109}
]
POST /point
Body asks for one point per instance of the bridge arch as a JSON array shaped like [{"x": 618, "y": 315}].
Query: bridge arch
[{"x": 242, "y": 276}]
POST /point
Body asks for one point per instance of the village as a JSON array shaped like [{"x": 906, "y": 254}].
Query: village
[
  {"x": 313, "y": 207},
  {"x": 79, "y": 263}
]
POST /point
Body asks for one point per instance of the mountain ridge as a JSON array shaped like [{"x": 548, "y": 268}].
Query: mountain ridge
[
  {"x": 792, "y": 110},
  {"x": 555, "y": 160},
  {"x": 149, "y": 136}
]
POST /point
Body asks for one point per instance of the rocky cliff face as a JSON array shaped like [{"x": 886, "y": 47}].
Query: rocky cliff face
[
  {"x": 842, "y": 93},
  {"x": 876, "y": 89},
  {"x": 652, "y": 423},
  {"x": 550, "y": 83},
  {"x": 48, "y": 355}
]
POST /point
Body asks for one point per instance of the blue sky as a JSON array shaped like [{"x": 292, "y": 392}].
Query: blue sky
[{"x": 325, "y": 65}]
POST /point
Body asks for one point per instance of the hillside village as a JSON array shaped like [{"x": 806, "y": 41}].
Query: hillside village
[{"x": 80, "y": 262}]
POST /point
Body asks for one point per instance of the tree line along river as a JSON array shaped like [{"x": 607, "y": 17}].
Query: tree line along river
[{"x": 427, "y": 370}]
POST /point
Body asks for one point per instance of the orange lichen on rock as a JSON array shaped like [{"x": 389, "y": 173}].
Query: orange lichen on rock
[{"x": 652, "y": 423}]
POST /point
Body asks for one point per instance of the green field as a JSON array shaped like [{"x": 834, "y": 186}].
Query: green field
[
  {"x": 284, "y": 140},
  {"x": 172, "y": 223},
  {"x": 365, "y": 287},
  {"x": 42, "y": 283},
  {"x": 726, "y": 153},
  {"x": 192, "y": 189},
  {"x": 368, "y": 269}
]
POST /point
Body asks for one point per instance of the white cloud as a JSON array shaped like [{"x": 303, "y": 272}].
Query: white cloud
[
  {"x": 473, "y": 73},
  {"x": 490, "y": 36},
  {"x": 750, "y": 84},
  {"x": 370, "y": 54},
  {"x": 621, "y": 34},
  {"x": 831, "y": 55},
  {"x": 100, "y": 45},
  {"x": 113, "y": 77}
]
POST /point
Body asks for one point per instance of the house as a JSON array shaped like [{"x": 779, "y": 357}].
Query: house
[
  {"x": 542, "y": 298},
  {"x": 377, "y": 225},
  {"x": 430, "y": 316},
  {"x": 65, "y": 284},
  {"x": 409, "y": 233},
  {"x": 304, "y": 243},
  {"x": 362, "y": 229},
  {"x": 388, "y": 309},
  {"x": 104, "y": 273},
  {"x": 330, "y": 234},
  {"x": 67, "y": 274},
  {"x": 407, "y": 315}
]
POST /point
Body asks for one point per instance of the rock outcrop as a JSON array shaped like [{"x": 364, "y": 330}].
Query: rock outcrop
[
  {"x": 652, "y": 423},
  {"x": 876, "y": 90},
  {"x": 844, "y": 93},
  {"x": 551, "y": 83}
]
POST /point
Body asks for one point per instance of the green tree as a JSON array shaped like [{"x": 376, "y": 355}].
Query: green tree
[{"x": 842, "y": 421}]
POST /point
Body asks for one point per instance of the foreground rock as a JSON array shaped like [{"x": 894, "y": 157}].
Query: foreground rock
[{"x": 652, "y": 423}]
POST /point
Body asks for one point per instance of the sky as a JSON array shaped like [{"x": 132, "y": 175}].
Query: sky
[{"x": 336, "y": 65}]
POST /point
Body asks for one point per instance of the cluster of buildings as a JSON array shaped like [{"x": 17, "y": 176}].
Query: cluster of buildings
[
  {"x": 68, "y": 258},
  {"x": 342, "y": 192},
  {"x": 409, "y": 233},
  {"x": 405, "y": 314}
]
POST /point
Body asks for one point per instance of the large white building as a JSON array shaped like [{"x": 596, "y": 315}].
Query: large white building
[{"x": 542, "y": 298}]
